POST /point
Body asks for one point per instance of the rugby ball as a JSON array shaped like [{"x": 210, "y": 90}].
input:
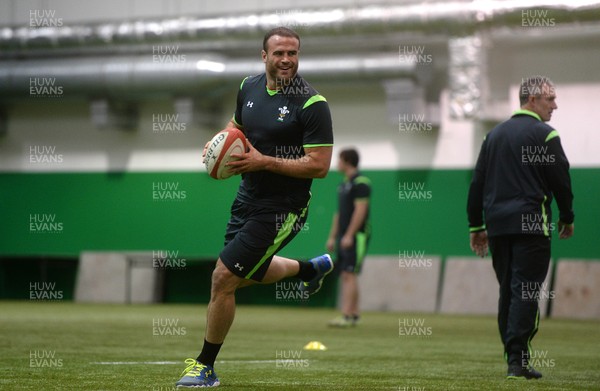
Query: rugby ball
[{"x": 219, "y": 151}]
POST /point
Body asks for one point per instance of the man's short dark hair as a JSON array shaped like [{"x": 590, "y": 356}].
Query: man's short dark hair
[
  {"x": 533, "y": 86},
  {"x": 350, "y": 156},
  {"x": 282, "y": 32}
]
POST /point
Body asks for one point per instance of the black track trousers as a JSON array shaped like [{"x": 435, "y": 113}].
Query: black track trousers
[{"x": 521, "y": 264}]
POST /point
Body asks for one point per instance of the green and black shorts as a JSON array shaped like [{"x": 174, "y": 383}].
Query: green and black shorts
[{"x": 255, "y": 234}]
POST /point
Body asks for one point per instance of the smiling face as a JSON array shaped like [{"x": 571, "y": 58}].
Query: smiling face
[
  {"x": 281, "y": 60},
  {"x": 543, "y": 104}
]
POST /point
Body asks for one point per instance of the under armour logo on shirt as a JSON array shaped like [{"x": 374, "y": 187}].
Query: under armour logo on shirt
[
  {"x": 238, "y": 266},
  {"x": 250, "y": 104}
]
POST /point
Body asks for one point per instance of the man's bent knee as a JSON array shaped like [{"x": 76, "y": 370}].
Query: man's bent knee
[{"x": 223, "y": 280}]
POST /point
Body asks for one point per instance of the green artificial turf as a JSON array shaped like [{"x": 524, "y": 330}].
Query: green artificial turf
[{"x": 67, "y": 346}]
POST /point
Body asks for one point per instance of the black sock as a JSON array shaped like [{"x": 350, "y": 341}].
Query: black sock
[
  {"x": 209, "y": 353},
  {"x": 307, "y": 272}
]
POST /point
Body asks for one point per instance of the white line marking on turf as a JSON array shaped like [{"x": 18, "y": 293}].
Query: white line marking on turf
[
  {"x": 259, "y": 361},
  {"x": 180, "y": 362},
  {"x": 135, "y": 362}
]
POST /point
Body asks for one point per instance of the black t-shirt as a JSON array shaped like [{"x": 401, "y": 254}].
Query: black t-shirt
[
  {"x": 280, "y": 124},
  {"x": 357, "y": 188}
]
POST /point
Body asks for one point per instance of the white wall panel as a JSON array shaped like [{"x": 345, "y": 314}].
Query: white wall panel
[
  {"x": 359, "y": 117},
  {"x": 575, "y": 121}
]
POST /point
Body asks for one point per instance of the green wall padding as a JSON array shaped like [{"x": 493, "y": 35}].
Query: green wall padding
[{"x": 117, "y": 212}]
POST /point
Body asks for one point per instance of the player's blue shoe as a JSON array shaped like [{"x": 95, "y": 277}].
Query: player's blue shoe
[
  {"x": 323, "y": 265},
  {"x": 197, "y": 375}
]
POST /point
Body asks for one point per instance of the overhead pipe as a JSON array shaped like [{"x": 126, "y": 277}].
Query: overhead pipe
[
  {"x": 124, "y": 75},
  {"x": 447, "y": 17},
  {"x": 140, "y": 76}
]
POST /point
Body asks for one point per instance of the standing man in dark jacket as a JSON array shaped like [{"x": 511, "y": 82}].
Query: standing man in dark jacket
[{"x": 521, "y": 167}]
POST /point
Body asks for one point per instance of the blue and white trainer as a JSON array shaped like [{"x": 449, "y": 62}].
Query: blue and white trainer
[
  {"x": 197, "y": 374},
  {"x": 323, "y": 265}
]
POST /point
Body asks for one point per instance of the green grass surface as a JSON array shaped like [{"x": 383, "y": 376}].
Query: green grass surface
[{"x": 460, "y": 352}]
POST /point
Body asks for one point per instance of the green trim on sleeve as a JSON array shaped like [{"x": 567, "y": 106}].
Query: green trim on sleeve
[
  {"x": 243, "y": 81},
  {"x": 235, "y": 122},
  {"x": 314, "y": 99},
  {"x": 477, "y": 229},
  {"x": 551, "y": 135},
  {"x": 316, "y": 145},
  {"x": 527, "y": 112},
  {"x": 362, "y": 179}
]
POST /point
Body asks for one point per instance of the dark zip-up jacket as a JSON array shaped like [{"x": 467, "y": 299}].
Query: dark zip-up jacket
[{"x": 521, "y": 167}]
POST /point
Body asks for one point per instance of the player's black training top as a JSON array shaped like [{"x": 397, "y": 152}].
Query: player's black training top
[
  {"x": 521, "y": 166},
  {"x": 358, "y": 187},
  {"x": 280, "y": 124}
]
